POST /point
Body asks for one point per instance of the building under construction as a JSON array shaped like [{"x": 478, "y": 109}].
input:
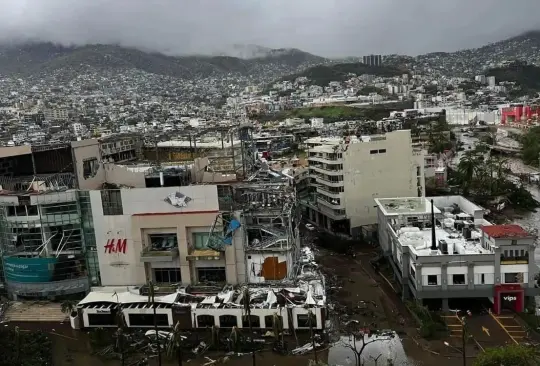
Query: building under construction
[{"x": 229, "y": 150}]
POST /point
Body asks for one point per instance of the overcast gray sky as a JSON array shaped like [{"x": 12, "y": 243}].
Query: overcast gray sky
[{"x": 325, "y": 27}]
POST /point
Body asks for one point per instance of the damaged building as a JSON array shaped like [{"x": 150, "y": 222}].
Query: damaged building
[{"x": 202, "y": 246}]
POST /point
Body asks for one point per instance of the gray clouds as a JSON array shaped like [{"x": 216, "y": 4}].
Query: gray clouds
[{"x": 324, "y": 27}]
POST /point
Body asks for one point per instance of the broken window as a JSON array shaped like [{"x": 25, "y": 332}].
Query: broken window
[
  {"x": 145, "y": 320},
  {"x": 306, "y": 320},
  {"x": 205, "y": 321},
  {"x": 228, "y": 321},
  {"x": 101, "y": 319},
  {"x": 516, "y": 277},
  {"x": 200, "y": 241},
  {"x": 163, "y": 241},
  {"x": 255, "y": 321},
  {"x": 432, "y": 280},
  {"x": 90, "y": 167},
  {"x": 458, "y": 279},
  {"x": 111, "y": 202},
  {"x": 211, "y": 274},
  {"x": 269, "y": 321},
  {"x": 167, "y": 275}
]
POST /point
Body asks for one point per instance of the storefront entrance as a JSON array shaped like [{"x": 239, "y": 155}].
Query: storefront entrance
[{"x": 508, "y": 297}]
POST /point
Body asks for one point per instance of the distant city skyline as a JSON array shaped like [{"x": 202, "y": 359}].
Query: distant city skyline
[{"x": 327, "y": 28}]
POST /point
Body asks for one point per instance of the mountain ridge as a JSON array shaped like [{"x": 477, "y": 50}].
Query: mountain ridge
[
  {"x": 258, "y": 62},
  {"x": 35, "y": 58}
]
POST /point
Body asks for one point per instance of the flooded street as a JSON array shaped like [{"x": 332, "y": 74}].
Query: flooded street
[{"x": 529, "y": 220}]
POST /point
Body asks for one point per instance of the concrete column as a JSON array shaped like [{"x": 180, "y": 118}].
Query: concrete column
[
  {"x": 532, "y": 267},
  {"x": 470, "y": 276},
  {"x": 497, "y": 265},
  {"x": 418, "y": 279},
  {"x": 444, "y": 277},
  {"x": 445, "y": 306},
  {"x": 185, "y": 271}
]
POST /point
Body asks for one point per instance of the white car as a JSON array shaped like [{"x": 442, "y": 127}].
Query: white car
[{"x": 310, "y": 227}]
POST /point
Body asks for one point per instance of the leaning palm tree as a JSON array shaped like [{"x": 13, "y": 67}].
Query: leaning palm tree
[
  {"x": 151, "y": 301},
  {"x": 312, "y": 321},
  {"x": 246, "y": 299},
  {"x": 17, "y": 344},
  {"x": 175, "y": 343},
  {"x": 235, "y": 339},
  {"x": 276, "y": 325},
  {"x": 120, "y": 334}
]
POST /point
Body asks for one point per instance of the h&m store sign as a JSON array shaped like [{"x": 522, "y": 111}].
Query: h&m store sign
[{"x": 115, "y": 246}]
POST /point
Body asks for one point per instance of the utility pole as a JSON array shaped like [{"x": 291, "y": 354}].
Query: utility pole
[{"x": 463, "y": 341}]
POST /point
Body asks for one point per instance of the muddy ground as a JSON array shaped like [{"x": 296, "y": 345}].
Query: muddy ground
[{"x": 355, "y": 292}]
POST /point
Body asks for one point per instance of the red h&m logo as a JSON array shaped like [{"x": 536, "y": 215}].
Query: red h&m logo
[{"x": 116, "y": 246}]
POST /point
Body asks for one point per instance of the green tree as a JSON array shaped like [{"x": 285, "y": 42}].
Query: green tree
[
  {"x": 512, "y": 355},
  {"x": 531, "y": 146},
  {"x": 467, "y": 167},
  {"x": 68, "y": 307}
]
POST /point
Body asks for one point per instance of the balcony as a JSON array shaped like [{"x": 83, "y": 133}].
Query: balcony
[
  {"x": 328, "y": 193},
  {"x": 330, "y": 183},
  {"x": 162, "y": 247},
  {"x": 334, "y": 204},
  {"x": 152, "y": 255},
  {"x": 327, "y": 171},
  {"x": 515, "y": 260},
  {"x": 326, "y": 160}
]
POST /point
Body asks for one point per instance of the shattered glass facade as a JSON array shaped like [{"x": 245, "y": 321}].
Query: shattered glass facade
[{"x": 47, "y": 244}]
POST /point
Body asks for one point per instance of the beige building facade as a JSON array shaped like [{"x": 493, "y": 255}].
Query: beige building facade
[
  {"x": 161, "y": 234},
  {"x": 347, "y": 174}
]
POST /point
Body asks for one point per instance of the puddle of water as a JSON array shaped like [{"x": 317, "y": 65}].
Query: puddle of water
[{"x": 383, "y": 347}]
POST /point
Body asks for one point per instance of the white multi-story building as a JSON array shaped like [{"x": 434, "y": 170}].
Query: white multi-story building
[
  {"x": 347, "y": 173},
  {"x": 442, "y": 249}
]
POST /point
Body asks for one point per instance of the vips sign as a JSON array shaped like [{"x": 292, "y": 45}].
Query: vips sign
[
  {"x": 510, "y": 298},
  {"x": 29, "y": 269}
]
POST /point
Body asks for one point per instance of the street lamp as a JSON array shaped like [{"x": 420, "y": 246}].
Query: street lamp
[{"x": 463, "y": 350}]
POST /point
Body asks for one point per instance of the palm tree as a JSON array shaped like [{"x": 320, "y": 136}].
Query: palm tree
[
  {"x": 467, "y": 166},
  {"x": 151, "y": 300},
  {"x": 17, "y": 344},
  {"x": 247, "y": 312},
  {"x": 175, "y": 343},
  {"x": 68, "y": 307},
  {"x": 311, "y": 320},
  {"x": 121, "y": 325}
]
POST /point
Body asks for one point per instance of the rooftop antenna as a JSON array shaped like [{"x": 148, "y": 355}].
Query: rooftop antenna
[{"x": 433, "y": 237}]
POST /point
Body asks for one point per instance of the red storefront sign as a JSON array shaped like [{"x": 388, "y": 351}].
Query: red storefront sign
[{"x": 116, "y": 246}]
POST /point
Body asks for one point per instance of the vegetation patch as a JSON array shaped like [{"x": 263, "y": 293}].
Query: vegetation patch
[
  {"x": 25, "y": 348},
  {"x": 431, "y": 324},
  {"x": 323, "y": 75}
]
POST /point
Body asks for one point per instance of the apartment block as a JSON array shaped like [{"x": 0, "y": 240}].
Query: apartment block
[
  {"x": 348, "y": 173},
  {"x": 442, "y": 249}
]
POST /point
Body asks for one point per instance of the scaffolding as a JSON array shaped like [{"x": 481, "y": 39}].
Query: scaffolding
[{"x": 47, "y": 243}]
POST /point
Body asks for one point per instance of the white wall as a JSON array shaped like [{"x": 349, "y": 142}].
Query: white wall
[{"x": 368, "y": 176}]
